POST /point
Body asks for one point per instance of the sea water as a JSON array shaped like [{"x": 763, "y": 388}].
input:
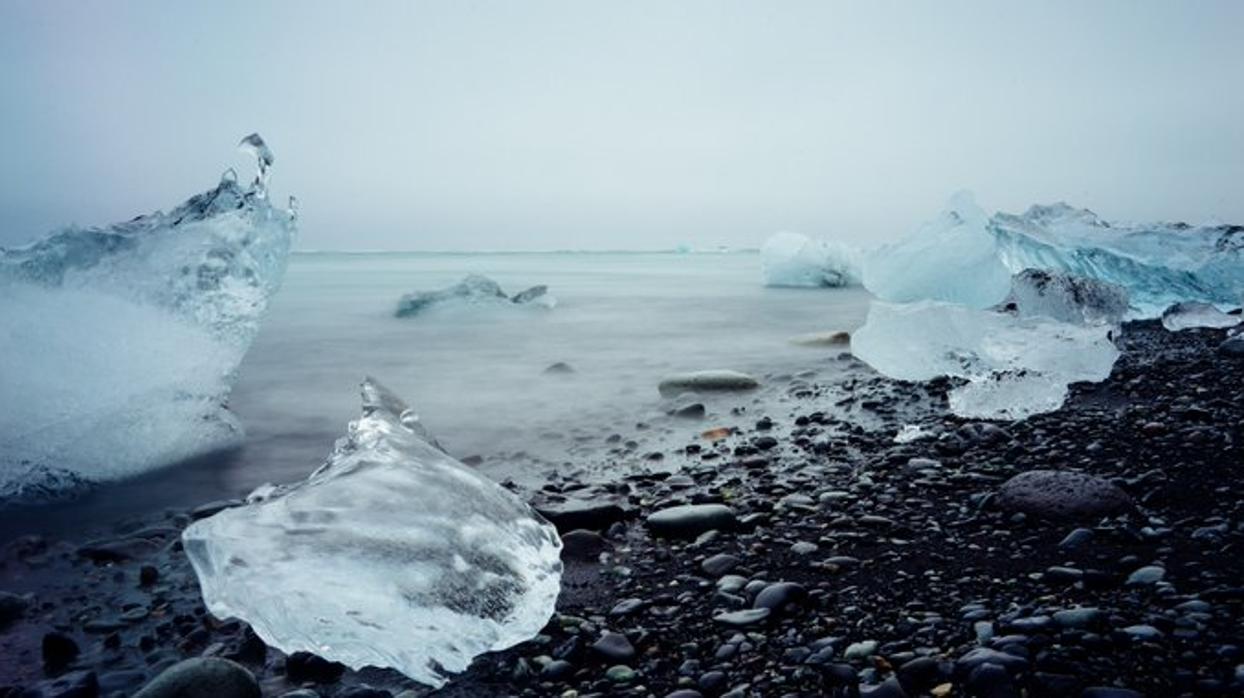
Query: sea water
[{"x": 476, "y": 374}]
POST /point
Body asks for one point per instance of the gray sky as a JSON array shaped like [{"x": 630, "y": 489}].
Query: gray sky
[{"x": 533, "y": 125}]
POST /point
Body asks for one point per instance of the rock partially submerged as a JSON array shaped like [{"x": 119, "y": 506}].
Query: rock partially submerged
[
  {"x": 823, "y": 339},
  {"x": 706, "y": 381},
  {"x": 391, "y": 554},
  {"x": 475, "y": 289},
  {"x": 1061, "y": 494}
]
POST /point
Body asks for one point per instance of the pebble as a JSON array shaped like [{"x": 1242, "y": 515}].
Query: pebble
[
  {"x": 690, "y": 520},
  {"x": 202, "y": 677}
]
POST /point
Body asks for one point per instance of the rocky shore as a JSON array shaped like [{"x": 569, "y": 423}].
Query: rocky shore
[{"x": 793, "y": 553}]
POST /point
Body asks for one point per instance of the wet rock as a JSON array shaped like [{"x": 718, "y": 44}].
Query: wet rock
[
  {"x": 1110, "y": 692},
  {"x": 1061, "y": 494},
  {"x": 117, "y": 550},
  {"x": 614, "y": 647},
  {"x": 58, "y": 651},
  {"x": 78, "y": 684},
  {"x": 304, "y": 666},
  {"x": 690, "y": 520},
  {"x": 1149, "y": 574},
  {"x": 561, "y": 368},
  {"x": 693, "y": 411},
  {"x": 780, "y": 595},
  {"x": 706, "y": 381},
  {"x": 202, "y": 677},
  {"x": 984, "y": 655},
  {"x": 574, "y": 514},
  {"x": 719, "y": 564},
  {"x": 744, "y": 618},
  {"x": 584, "y": 545},
  {"x": 12, "y": 608}
]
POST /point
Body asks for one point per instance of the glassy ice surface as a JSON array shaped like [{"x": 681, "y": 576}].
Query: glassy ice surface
[
  {"x": 952, "y": 258},
  {"x": 791, "y": 259},
  {"x": 391, "y": 554},
  {"x": 1015, "y": 366},
  {"x": 1189, "y": 315},
  {"x": 120, "y": 344},
  {"x": 1066, "y": 298},
  {"x": 966, "y": 257},
  {"x": 475, "y": 289}
]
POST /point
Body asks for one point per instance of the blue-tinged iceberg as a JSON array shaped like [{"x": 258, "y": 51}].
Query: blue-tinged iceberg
[
  {"x": 791, "y": 259},
  {"x": 391, "y": 554},
  {"x": 1022, "y": 306},
  {"x": 120, "y": 344},
  {"x": 967, "y": 257}
]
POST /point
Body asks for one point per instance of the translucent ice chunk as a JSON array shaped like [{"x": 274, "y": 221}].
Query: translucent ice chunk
[
  {"x": 475, "y": 289},
  {"x": 391, "y": 554},
  {"x": 1158, "y": 263},
  {"x": 791, "y": 259},
  {"x": 1067, "y": 298},
  {"x": 120, "y": 344},
  {"x": 1190, "y": 314},
  {"x": 965, "y": 257},
  {"x": 952, "y": 259},
  {"x": 1015, "y": 366},
  {"x": 254, "y": 144}
]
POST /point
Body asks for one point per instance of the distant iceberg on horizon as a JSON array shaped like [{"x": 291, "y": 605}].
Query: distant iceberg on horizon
[{"x": 120, "y": 344}]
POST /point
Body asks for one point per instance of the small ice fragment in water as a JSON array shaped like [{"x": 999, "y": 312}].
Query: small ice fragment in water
[
  {"x": 475, "y": 289},
  {"x": 255, "y": 145},
  {"x": 791, "y": 259},
  {"x": 391, "y": 554}
]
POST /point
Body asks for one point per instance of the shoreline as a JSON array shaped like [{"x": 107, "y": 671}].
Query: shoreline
[{"x": 886, "y": 564}]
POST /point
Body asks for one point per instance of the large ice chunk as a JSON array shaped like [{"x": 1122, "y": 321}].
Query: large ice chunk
[
  {"x": 1015, "y": 366},
  {"x": 965, "y": 257},
  {"x": 475, "y": 289},
  {"x": 952, "y": 258},
  {"x": 1158, "y": 263},
  {"x": 791, "y": 259},
  {"x": 1067, "y": 298},
  {"x": 120, "y": 344},
  {"x": 391, "y": 554}
]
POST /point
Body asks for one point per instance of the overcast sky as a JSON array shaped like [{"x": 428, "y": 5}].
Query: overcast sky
[{"x": 533, "y": 125}]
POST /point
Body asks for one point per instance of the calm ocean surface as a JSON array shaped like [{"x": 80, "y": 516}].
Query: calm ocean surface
[{"x": 476, "y": 374}]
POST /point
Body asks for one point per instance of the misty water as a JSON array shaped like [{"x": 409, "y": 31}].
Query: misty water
[{"x": 476, "y": 374}]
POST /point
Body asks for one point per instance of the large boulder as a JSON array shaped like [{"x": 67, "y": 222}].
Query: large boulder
[{"x": 1061, "y": 494}]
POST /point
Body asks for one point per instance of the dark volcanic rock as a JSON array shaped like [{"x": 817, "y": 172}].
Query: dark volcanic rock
[
  {"x": 1061, "y": 494},
  {"x": 202, "y": 677},
  {"x": 689, "y": 521},
  {"x": 571, "y": 515},
  {"x": 581, "y": 544},
  {"x": 304, "y": 666}
]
